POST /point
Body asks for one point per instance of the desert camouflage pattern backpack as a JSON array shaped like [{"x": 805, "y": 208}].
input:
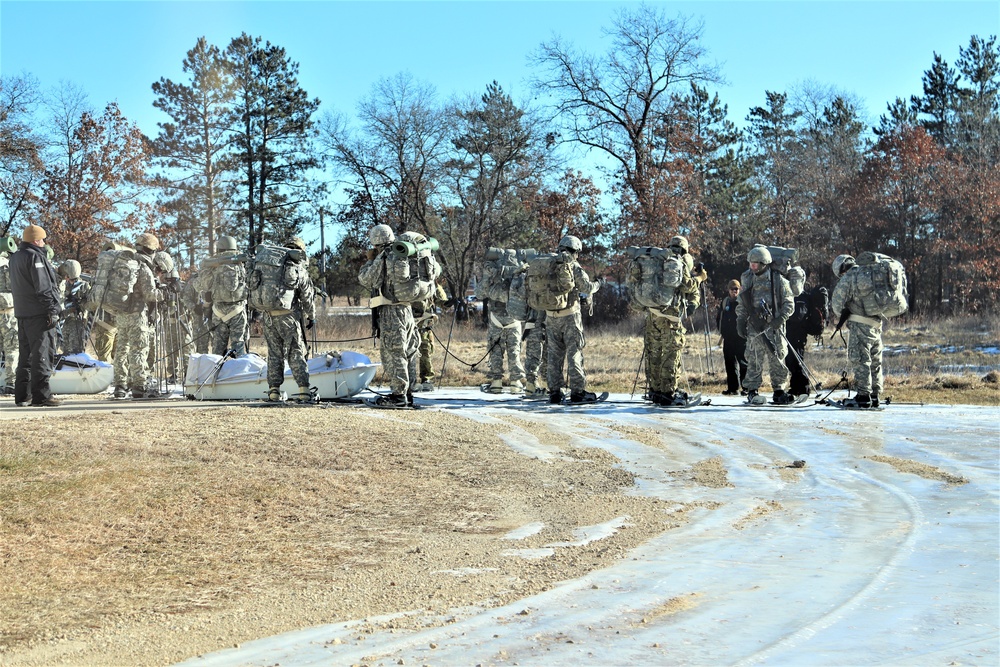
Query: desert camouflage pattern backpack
[
  {"x": 228, "y": 282},
  {"x": 880, "y": 285},
  {"x": 114, "y": 281},
  {"x": 270, "y": 285},
  {"x": 550, "y": 281},
  {"x": 654, "y": 274},
  {"x": 411, "y": 278}
]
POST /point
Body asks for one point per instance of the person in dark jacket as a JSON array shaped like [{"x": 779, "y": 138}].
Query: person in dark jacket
[
  {"x": 733, "y": 345},
  {"x": 35, "y": 288}
]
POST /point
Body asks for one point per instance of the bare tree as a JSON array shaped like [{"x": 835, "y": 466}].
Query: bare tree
[
  {"x": 614, "y": 103},
  {"x": 21, "y": 166}
]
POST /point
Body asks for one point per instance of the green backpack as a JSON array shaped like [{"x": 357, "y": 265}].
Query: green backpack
[
  {"x": 550, "y": 281},
  {"x": 267, "y": 282}
]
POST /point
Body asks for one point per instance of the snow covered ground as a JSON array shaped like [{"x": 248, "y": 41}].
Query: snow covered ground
[{"x": 882, "y": 549}]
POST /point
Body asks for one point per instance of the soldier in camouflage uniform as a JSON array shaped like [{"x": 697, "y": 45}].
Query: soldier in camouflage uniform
[
  {"x": 564, "y": 331},
  {"x": 192, "y": 305},
  {"x": 135, "y": 331},
  {"x": 864, "y": 344},
  {"x": 425, "y": 317},
  {"x": 663, "y": 338},
  {"x": 74, "y": 325},
  {"x": 283, "y": 330},
  {"x": 8, "y": 323},
  {"x": 399, "y": 341},
  {"x": 763, "y": 305},
  {"x": 226, "y": 290},
  {"x": 534, "y": 354}
]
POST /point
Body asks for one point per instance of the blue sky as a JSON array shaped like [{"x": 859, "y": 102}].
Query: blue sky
[{"x": 116, "y": 50}]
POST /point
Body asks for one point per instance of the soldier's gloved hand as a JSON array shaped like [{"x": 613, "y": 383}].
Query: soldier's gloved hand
[
  {"x": 372, "y": 254},
  {"x": 690, "y": 308},
  {"x": 699, "y": 273},
  {"x": 774, "y": 325},
  {"x": 174, "y": 285},
  {"x": 310, "y": 323}
]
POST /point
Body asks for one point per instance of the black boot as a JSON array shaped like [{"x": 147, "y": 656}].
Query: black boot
[
  {"x": 582, "y": 397},
  {"x": 555, "y": 396},
  {"x": 781, "y": 397}
]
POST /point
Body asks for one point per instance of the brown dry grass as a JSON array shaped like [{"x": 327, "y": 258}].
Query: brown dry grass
[{"x": 120, "y": 523}]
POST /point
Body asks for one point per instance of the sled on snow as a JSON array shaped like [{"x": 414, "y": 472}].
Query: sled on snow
[{"x": 334, "y": 374}]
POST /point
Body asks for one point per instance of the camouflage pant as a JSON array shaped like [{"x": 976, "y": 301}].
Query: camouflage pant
[
  {"x": 864, "y": 351},
  {"x": 399, "y": 344},
  {"x": 104, "y": 340},
  {"x": 426, "y": 351},
  {"x": 502, "y": 341},
  {"x": 664, "y": 342},
  {"x": 565, "y": 341},
  {"x": 758, "y": 354},
  {"x": 73, "y": 331},
  {"x": 231, "y": 334},
  {"x": 9, "y": 345},
  {"x": 200, "y": 334},
  {"x": 284, "y": 342},
  {"x": 534, "y": 351},
  {"x": 177, "y": 347},
  {"x": 131, "y": 349}
]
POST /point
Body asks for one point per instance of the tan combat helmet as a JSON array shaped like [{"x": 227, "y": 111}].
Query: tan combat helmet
[{"x": 147, "y": 241}]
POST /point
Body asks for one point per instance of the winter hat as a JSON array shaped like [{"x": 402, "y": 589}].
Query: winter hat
[
  {"x": 733, "y": 283},
  {"x": 33, "y": 233}
]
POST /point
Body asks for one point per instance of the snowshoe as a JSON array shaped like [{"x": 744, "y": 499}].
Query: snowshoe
[
  {"x": 388, "y": 402},
  {"x": 587, "y": 397}
]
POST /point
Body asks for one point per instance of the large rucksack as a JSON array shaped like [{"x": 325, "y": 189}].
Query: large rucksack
[
  {"x": 499, "y": 268},
  {"x": 786, "y": 262},
  {"x": 880, "y": 285},
  {"x": 654, "y": 274},
  {"x": 267, "y": 278},
  {"x": 550, "y": 281},
  {"x": 228, "y": 282},
  {"x": 517, "y": 295},
  {"x": 114, "y": 281},
  {"x": 413, "y": 275}
]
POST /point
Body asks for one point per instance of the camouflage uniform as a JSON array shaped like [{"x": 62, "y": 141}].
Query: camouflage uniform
[
  {"x": 135, "y": 332},
  {"x": 74, "y": 326},
  {"x": 399, "y": 340},
  {"x": 663, "y": 338},
  {"x": 283, "y": 329},
  {"x": 864, "y": 344},
  {"x": 425, "y": 317},
  {"x": 503, "y": 338},
  {"x": 191, "y": 303},
  {"x": 229, "y": 317},
  {"x": 104, "y": 334},
  {"x": 754, "y": 325},
  {"x": 8, "y": 325},
  {"x": 564, "y": 334},
  {"x": 534, "y": 350}
]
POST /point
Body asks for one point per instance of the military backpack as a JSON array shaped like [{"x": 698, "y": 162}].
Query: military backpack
[
  {"x": 115, "y": 280},
  {"x": 880, "y": 285},
  {"x": 550, "y": 281},
  {"x": 270, "y": 286},
  {"x": 654, "y": 274}
]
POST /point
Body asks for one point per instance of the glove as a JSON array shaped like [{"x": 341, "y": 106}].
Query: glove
[
  {"x": 774, "y": 325},
  {"x": 174, "y": 285},
  {"x": 690, "y": 308},
  {"x": 372, "y": 254},
  {"x": 309, "y": 324},
  {"x": 700, "y": 274},
  {"x": 52, "y": 321}
]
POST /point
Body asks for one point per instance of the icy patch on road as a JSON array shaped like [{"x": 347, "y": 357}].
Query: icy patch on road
[
  {"x": 529, "y": 554},
  {"x": 524, "y": 531},
  {"x": 587, "y": 534}
]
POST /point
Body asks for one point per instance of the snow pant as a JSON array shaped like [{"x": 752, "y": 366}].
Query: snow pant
[
  {"x": 664, "y": 341},
  {"x": 503, "y": 338},
  {"x": 283, "y": 334},
  {"x": 399, "y": 344},
  {"x": 104, "y": 333},
  {"x": 230, "y": 329},
  {"x": 565, "y": 341},
  {"x": 426, "y": 352},
  {"x": 9, "y": 346},
  {"x": 36, "y": 342},
  {"x": 798, "y": 383},
  {"x": 132, "y": 343},
  {"x": 864, "y": 351},
  {"x": 534, "y": 351},
  {"x": 73, "y": 332},
  {"x": 734, "y": 354},
  {"x": 758, "y": 354}
]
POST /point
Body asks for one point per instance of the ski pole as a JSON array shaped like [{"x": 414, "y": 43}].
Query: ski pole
[
  {"x": 454, "y": 316},
  {"x": 636, "y": 381},
  {"x": 708, "y": 330}
]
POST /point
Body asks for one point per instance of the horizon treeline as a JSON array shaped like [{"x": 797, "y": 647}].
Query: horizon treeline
[{"x": 625, "y": 147}]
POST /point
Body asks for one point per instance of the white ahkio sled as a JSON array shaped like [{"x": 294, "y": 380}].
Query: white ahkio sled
[
  {"x": 334, "y": 375},
  {"x": 80, "y": 374}
]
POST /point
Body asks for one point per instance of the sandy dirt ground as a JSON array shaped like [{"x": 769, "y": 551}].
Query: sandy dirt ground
[{"x": 487, "y": 530}]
